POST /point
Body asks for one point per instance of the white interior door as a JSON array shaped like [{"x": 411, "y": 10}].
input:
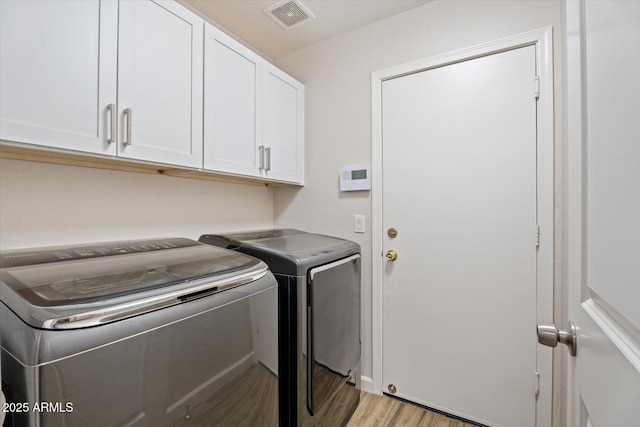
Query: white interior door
[
  {"x": 459, "y": 185},
  {"x": 603, "y": 51}
]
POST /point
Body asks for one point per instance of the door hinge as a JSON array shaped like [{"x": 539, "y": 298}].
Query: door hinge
[
  {"x": 536, "y": 87},
  {"x": 537, "y": 236},
  {"x": 536, "y": 383}
]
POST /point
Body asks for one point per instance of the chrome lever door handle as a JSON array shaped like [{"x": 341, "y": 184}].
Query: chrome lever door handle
[{"x": 550, "y": 336}]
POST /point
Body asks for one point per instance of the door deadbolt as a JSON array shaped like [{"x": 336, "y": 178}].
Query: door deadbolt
[
  {"x": 392, "y": 232},
  {"x": 550, "y": 336},
  {"x": 392, "y": 255}
]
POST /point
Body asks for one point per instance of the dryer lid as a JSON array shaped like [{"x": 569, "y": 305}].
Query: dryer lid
[{"x": 286, "y": 251}]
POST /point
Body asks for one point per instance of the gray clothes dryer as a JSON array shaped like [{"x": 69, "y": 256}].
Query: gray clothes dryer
[
  {"x": 319, "y": 310},
  {"x": 138, "y": 333}
]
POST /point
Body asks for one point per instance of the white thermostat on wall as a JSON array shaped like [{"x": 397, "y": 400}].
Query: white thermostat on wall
[{"x": 355, "y": 179}]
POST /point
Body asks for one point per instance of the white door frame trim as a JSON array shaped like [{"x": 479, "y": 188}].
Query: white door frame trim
[{"x": 542, "y": 39}]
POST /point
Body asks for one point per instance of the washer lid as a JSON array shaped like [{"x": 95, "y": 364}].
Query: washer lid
[
  {"x": 79, "y": 282},
  {"x": 286, "y": 251}
]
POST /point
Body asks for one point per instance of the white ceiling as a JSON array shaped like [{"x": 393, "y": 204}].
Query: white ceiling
[{"x": 247, "y": 20}]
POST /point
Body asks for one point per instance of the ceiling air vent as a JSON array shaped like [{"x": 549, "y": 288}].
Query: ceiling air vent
[{"x": 289, "y": 13}]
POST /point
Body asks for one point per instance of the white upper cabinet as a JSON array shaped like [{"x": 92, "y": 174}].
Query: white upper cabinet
[
  {"x": 253, "y": 113},
  {"x": 231, "y": 105},
  {"x": 282, "y": 127},
  {"x": 60, "y": 63},
  {"x": 144, "y": 80},
  {"x": 58, "y": 73},
  {"x": 160, "y": 83}
]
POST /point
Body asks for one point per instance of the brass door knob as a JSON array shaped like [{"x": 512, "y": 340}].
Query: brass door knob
[{"x": 392, "y": 255}]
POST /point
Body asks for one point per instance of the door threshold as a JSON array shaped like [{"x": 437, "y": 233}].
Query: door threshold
[{"x": 437, "y": 411}]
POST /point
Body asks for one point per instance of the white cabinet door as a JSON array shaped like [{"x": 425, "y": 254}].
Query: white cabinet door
[
  {"x": 231, "y": 102},
  {"x": 58, "y": 73},
  {"x": 160, "y": 83},
  {"x": 283, "y": 127}
]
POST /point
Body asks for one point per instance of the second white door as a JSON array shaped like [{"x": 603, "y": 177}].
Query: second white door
[{"x": 459, "y": 185}]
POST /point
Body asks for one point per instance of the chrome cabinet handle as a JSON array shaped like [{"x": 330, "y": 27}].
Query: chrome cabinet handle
[
  {"x": 261, "y": 149},
  {"x": 112, "y": 123},
  {"x": 550, "y": 336},
  {"x": 267, "y": 151},
  {"x": 128, "y": 114}
]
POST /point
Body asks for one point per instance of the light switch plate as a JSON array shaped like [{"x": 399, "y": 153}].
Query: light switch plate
[{"x": 358, "y": 224}]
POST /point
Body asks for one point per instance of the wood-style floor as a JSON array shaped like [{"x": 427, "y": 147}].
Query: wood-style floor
[
  {"x": 383, "y": 411},
  {"x": 237, "y": 406}
]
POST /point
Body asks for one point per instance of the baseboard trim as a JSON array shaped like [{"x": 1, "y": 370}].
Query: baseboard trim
[{"x": 367, "y": 385}]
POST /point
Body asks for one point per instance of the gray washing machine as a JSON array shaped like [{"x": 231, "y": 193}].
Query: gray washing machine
[
  {"x": 138, "y": 333},
  {"x": 319, "y": 286}
]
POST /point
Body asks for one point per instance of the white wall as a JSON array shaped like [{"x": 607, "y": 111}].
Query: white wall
[
  {"x": 337, "y": 75},
  {"x": 45, "y": 204}
]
